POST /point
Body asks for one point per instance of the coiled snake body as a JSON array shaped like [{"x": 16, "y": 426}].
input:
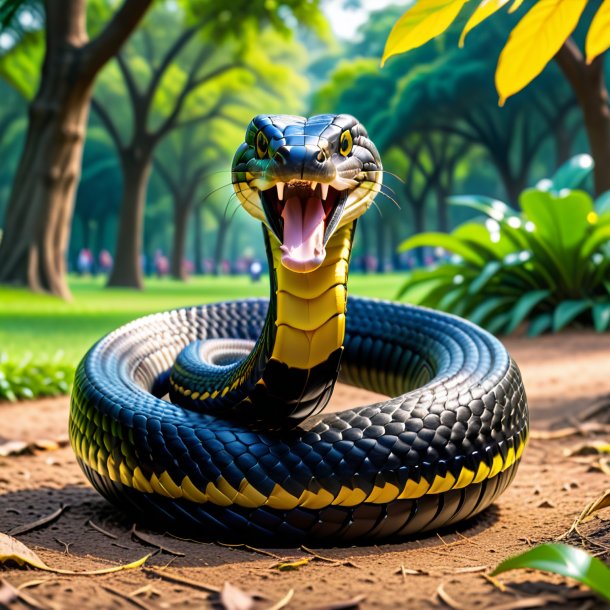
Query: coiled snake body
[{"x": 240, "y": 451}]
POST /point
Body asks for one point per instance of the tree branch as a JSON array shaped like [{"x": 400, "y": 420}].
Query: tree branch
[
  {"x": 571, "y": 61},
  {"x": 167, "y": 60},
  {"x": 132, "y": 87},
  {"x": 100, "y": 50},
  {"x": 191, "y": 84},
  {"x": 104, "y": 116}
]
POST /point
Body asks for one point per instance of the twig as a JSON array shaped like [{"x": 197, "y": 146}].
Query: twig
[
  {"x": 182, "y": 581},
  {"x": 101, "y": 531},
  {"x": 66, "y": 545},
  {"x": 153, "y": 541},
  {"x": 447, "y": 599},
  {"x": 127, "y": 598},
  {"x": 283, "y": 602},
  {"x": 252, "y": 549},
  {"x": 28, "y": 527}
]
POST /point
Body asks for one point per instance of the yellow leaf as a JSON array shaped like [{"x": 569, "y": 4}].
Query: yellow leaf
[
  {"x": 486, "y": 9},
  {"x": 534, "y": 42},
  {"x": 421, "y": 23},
  {"x": 13, "y": 550},
  {"x": 515, "y": 6},
  {"x": 598, "y": 38}
]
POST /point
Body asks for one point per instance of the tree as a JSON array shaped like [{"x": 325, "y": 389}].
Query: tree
[
  {"x": 543, "y": 33},
  {"x": 38, "y": 217},
  {"x": 192, "y": 81}
]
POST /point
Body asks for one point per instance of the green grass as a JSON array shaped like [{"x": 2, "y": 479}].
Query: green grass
[{"x": 41, "y": 325}]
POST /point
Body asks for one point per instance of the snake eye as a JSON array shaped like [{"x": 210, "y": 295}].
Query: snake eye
[
  {"x": 346, "y": 143},
  {"x": 262, "y": 145}
]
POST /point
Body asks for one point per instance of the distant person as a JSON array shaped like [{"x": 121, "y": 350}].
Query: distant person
[
  {"x": 161, "y": 264},
  {"x": 84, "y": 262},
  {"x": 256, "y": 270},
  {"x": 105, "y": 261}
]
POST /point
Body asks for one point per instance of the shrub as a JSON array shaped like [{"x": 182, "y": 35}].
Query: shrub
[
  {"x": 548, "y": 266},
  {"x": 27, "y": 379}
]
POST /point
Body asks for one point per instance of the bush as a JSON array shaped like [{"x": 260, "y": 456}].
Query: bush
[
  {"x": 27, "y": 379},
  {"x": 548, "y": 266}
]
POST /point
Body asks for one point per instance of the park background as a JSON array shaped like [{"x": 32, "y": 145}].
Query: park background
[{"x": 154, "y": 210}]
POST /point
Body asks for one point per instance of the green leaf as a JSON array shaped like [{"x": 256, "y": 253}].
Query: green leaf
[
  {"x": 573, "y": 173},
  {"x": 487, "y": 273},
  {"x": 564, "y": 560},
  {"x": 602, "y": 203},
  {"x": 567, "y": 311},
  {"x": 600, "y": 235},
  {"x": 481, "y": 313},
  {"x": 448, "y": 242},
  {"x": 524, "y": 306},
  {"x": 494, "y": 208},
  {"x": 540, "y": 324},
  {"x": 601, "y": 316}
]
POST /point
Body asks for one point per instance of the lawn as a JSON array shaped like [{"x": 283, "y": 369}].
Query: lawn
[{"x": 43, "y": 325}]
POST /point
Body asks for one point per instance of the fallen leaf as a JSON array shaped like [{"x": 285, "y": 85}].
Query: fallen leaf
[
  {"x": 233, "y": 598},
  {"x": 8, "y": 448},
  {"x": 286, "y": 566},
  {"x": 13, "y": 550},
  {"x": 154, "y": 541},
  {"x": 28, "y": 527},
  {"x": 590, "y": 448}
]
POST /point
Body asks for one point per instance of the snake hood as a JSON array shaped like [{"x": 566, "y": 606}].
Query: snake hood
[{"x": 304, "y": 178}]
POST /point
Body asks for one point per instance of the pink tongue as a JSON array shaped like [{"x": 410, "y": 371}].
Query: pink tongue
[{"x": 303, "y": 247}]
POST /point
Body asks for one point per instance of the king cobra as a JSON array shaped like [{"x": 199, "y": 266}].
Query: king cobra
[{"x": 240, "y": 449}]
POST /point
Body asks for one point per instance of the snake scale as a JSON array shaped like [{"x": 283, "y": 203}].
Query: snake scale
[{"x": 240, "y": 449}]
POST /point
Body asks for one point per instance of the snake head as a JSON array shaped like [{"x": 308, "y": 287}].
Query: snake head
[{"x": 304, "y": 178}]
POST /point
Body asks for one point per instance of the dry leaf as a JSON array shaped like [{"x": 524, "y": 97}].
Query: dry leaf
[
  {"x": 286, "y": 566},
  {"x": 590, "y": 448},
  {"x": 153, "y": 541},
  {"x": 28, "y": 527},
  {"x": 233, "y": 598},
  {"x": 602, "y": 501},
  {"x": 13, "y": 550},
  {"x": 13, "y": 448}
]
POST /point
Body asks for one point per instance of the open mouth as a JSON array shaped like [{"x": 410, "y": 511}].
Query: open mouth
[{"x": 303, "y": 215}]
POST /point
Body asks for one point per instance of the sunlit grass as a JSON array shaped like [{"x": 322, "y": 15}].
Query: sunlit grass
[{"x": 42, "y": 325}]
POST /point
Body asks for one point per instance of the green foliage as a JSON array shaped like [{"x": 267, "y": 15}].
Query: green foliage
[
  {"x": 564, "y": 560},
  {"x": 29, "y": 378},
  {"x": 548, "y": 266}
]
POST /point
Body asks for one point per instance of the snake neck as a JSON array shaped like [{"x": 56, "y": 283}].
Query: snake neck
[{"x": 291, "y": 371}]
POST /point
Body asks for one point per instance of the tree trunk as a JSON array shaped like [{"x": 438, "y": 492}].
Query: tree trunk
[
  {"x": 39, "y": 211},
  {"x": 221, "y": 237},
  {"x": 588, "y": 83},
  {"x": 198, "y": 241},
  {"x": 127, "y": 270},
  {"x": 382, "y": 242},
  {"x": 181, "y": 214}
]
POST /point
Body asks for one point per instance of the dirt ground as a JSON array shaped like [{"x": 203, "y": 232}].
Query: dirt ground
[{"x": 563, "y": 376}]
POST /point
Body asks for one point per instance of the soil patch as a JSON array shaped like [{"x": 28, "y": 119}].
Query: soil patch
[{"x": 563, "y": 375}]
